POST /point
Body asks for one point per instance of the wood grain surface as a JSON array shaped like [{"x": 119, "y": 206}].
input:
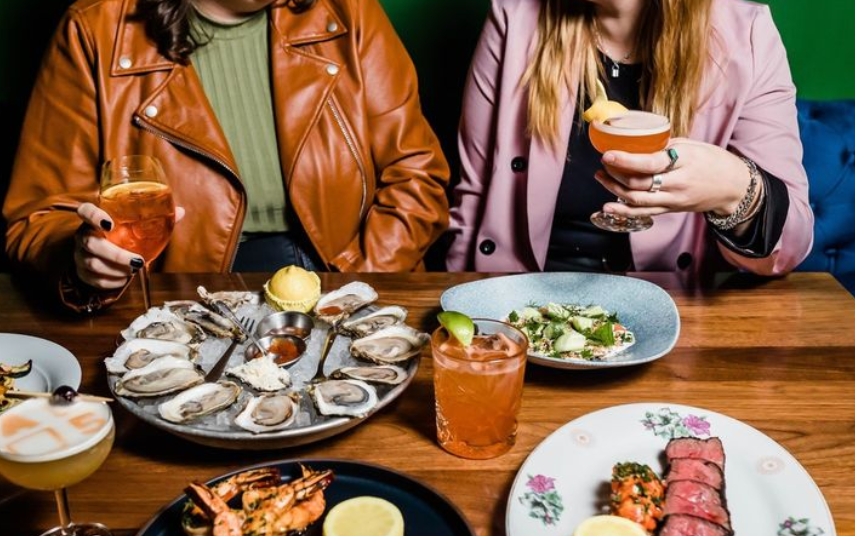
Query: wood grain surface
[{"x": 777, "y": 354}]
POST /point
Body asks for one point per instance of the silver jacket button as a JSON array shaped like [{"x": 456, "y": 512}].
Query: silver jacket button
[
  {"x": 150, "y": 111},
  {"x": 332, "y": 27},
  {"x": 125, "y": 62},
  {"x": 332, "y": 70}
]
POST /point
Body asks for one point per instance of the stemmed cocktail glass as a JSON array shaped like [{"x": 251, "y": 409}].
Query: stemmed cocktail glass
[{"x": 135, "y": 195}]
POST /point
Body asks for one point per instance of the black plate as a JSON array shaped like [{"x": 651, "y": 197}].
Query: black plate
[{"x": 426, "y": 512}]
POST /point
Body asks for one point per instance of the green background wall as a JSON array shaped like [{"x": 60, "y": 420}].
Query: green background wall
[{"x": 440, "y": 35}]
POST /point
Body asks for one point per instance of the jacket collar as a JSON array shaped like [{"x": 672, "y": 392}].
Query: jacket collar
[{"x": 134, "y": 53}]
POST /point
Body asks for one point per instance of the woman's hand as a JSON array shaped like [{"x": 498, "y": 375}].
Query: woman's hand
[
  {"x": 98, "y": 262},
  {"x": 706, "y": 178}
]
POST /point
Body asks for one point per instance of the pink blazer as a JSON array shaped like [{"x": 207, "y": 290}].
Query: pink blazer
[{"x": 509, "y": 182}]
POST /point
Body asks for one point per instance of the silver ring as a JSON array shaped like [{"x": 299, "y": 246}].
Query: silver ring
[{"x": 657, "y": 183}]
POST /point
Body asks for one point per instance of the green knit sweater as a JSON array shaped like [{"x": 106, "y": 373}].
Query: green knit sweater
[{"x": 234, "y": 66}]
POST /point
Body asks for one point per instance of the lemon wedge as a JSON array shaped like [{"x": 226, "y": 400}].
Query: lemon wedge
[
  {"x": 603, "y": 109},
  {"x": 364, "y": 516},
  {"x": 609, "y": 526}
]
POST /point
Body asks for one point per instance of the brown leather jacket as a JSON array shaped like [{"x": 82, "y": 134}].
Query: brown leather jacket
[{"x": 364, "y": 171}]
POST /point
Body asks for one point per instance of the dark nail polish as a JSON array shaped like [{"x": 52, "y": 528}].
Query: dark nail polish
[
  {"x": 137, "y": 263},
  {"x": 107, "y": 225}
]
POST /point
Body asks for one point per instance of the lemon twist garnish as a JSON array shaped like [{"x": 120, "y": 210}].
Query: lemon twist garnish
[{"x": 602, "y": 108}]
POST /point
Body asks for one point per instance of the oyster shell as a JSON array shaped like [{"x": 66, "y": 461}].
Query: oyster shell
[
  {"x": 233, "y": 299},
  {"x": 387, "y": 374},
  {"x": 391, "y": 345},
  {"x": 213, "y": 323},
  {"x": 374, "y": 322},
  {"x": 338, "y": 305},
  {"x": 161, "y": 324},
  {"x": 199, "y": 401},
  {"x": 160, "y": 377},
  {"x": 138, "y": 353},
  {"x": 262, "y": 374},
  {"x": 351, "y": 398},
  {"x": 268, "y": 413}
]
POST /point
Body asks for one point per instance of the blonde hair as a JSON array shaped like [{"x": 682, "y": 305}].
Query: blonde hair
[{"x": 673, "y": 46}]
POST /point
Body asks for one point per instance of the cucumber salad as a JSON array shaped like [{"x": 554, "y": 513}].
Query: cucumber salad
[{"x": 567, "y": 331}]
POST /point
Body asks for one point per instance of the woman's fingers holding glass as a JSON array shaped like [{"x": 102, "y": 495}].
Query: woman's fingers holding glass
[
  {"x": 628, "y": 211},
  {"x": 95, "y": 217},
  {"x": 640, "y": 197},
  {"x": 642, "y": 183},
  {"x": 638, "y": 164},
  {"x": 98, "y": 273}
]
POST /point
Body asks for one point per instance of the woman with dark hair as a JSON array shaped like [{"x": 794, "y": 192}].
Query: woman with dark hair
[
  {"x": 290, "y": 132},
  {"x": 729, "y": 190}
]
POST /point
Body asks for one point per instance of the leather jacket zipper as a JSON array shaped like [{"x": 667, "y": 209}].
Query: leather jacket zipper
[
  {"x": 192, "y": 148},
  {"x": 352, "y": 147}
]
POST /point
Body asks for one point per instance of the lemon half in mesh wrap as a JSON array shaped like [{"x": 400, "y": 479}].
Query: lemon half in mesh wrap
[{"x": 293, "y": 289}]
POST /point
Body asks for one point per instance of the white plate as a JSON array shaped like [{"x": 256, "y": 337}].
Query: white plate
[
  {"x": 53, "y": 365},
  {"x": 644, "y": 308},
  {"x": 768, "y": 492}
]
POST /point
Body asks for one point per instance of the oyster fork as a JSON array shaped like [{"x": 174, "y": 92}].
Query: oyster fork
[{"x": 246, "y": 324}]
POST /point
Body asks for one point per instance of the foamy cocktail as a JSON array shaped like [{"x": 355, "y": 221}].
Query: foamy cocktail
[
  {"x": 49, "y": 446},
  {"x": 479, "y": 389},
  {"x": 631, "y": 132}
]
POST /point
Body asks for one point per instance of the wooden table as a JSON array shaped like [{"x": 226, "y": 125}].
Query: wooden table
[{"x": 779, "y": 355}]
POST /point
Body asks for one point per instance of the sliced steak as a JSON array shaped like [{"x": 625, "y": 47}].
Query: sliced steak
[
  {"x": 695, "y": 469},
  {"x": 696, "y": 499},
  {"x": 686, "y": 525},
  {"x": 710, "y": 450}
]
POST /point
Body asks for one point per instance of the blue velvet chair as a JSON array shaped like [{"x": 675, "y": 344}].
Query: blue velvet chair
[{"x": 828, "y": 135}]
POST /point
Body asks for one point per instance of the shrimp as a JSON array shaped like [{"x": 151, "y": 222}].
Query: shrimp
[{"x": 227, "y": 522}]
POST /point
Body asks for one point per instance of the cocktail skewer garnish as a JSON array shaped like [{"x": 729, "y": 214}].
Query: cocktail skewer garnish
[{"x": 63, "y": 394}]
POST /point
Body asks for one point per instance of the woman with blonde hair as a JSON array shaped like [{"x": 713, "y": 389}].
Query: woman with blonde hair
[{"x": 730, "y": 187}]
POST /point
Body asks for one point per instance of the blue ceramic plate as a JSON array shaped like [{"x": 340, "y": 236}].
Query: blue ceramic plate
[
  {"x": 426, "y": 512},
  {"x": 644, "y": 308}
]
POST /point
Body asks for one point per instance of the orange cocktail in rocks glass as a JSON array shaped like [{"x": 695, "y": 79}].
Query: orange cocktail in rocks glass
[{"x": 478, "y": 388}]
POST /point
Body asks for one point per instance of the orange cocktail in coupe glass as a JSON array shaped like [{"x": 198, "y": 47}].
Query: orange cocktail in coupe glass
[
  {"x": 135, "y": 195},
  {"x": 479, "y": 389},
  {"x": 49, "y": 447},
  {"x": 631, "y": 132}
]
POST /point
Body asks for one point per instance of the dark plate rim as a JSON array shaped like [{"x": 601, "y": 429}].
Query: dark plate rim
[{"x": 317, "y": 461}]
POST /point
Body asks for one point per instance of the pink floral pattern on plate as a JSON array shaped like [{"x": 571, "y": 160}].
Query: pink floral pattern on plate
[
  {"x": 669, "y": 424},
  {"x": 542, "y": 500}
]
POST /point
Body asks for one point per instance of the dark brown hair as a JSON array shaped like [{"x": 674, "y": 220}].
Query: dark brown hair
[{"x": 167, "y": 23}]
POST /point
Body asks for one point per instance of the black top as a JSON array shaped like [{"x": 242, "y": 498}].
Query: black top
[{"x": 578, "y": 245}]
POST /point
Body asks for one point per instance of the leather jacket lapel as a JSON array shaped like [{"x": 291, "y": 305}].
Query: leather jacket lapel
[{"x": 302, "y": 80}]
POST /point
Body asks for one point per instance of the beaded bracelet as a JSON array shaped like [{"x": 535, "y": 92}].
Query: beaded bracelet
[{"x": 743, "y": 211}]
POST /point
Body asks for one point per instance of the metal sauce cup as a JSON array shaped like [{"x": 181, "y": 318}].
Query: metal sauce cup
[{"x": 289, "y": 323}]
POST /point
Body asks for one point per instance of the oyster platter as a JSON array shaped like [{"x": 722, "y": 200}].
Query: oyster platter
[{"x": 318, "y": 375}]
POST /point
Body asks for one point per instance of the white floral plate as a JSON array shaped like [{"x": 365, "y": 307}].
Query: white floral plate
[{"x": 565, "y": 480}]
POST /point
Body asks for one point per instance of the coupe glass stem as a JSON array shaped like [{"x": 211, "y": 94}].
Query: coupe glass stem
[
  {"x": 62, "y": 508},
  {"x": 145, "y": 286}
]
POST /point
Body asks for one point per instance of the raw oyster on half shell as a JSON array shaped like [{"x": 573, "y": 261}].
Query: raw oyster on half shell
[
  {"x": 391, "y": 345},
  {"x": 350, "y": 398},
  {"x": 213, "y": 323},
  {"x": 234, "y": 300},
  {"x": 138, "y": 353},
  {"x": 338, "y": 305},
  {"x": 160, "y": 377},
  {"x": 374, "y": 322},
  {"x": 269, "y": 413},
  {"x": 199, "y": 401},
  {"x": 161, "y": 324},
  {"x": 386, "y": 374}
]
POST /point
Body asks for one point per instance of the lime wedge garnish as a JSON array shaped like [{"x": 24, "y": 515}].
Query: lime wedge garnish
[{"x": 458, "y": 325}]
